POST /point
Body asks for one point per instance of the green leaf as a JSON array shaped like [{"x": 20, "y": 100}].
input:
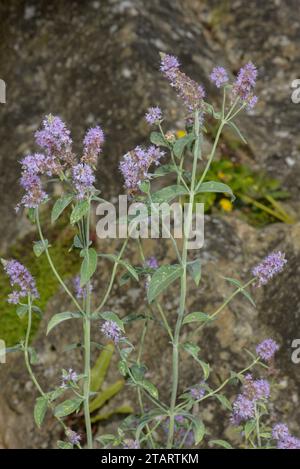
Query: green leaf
[
  {"x": 99, "y": 370},
  {"x": 161, "y": 279},
  {"x": 224, "y": 401},
  {"x": 194, "y": 268},
  {"x": 40, "y": 409},
  {"x": 237, "y": 130},
  {"x": 110, "y": 316},
  {"x": 106, "y": 394},
  {"x": 60, "y": 206},
  {"x": 249, "y": 428},
  {"x": 158, "y": 139},
  {"x": 196, "y": 317},
  {"x": 222, "y": 443},
  {"x": 33, "y": 356},
  {"x": 124, "y": 409},
  {"x": 64, "y": 445},
  {"x": 58, "y": 318},
  {"x": 39, "y": 247},
  {"x": 130, "y": 269},
  {"x": 167, "y": 194},
  {"x": 164, "y": 169},
  {"x": 122, "y": 367},
  {"x": 149, "y": 387},
  {"x": 244, "y": 292},
  {"x": 32, "y": 214},
  {"x": 77, "y": 242},
  {"x": 22, "y": 310},
  {"x": 181, "y": 143},
  {"x": 199, "y": 430},
  {"x": 138, "y": 372},
  {"x": 194, "y": 351},
  {"x": 88, "y": 266},
  {"x": 213, "y": 186},
  {"x": 79, "y": 211},
  {"x": 67, "y": 407}
]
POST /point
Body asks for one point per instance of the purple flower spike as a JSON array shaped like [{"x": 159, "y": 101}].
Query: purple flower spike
[
  {"x": 280, "y": 431},
  {"x": 188, "y": 90},
  {"x": 92, "y": 144},
  {"x": 54, "y": 136},
  {"x": 219, "y": 76},
  {"x": 112, "y": 331},
  {"x": 68, "y": 377},
  {"x": 269, "y": 267},
  {"x": 290, "y": 442},
  {"x": 243, "y": 409},
  {"x": 83, "y": 179},
  {"x": 245, "y": 83},
  {"x": 136, "y": 163},
  {"x": 153, "y": 115},
  {"x": 80, "y": 292},
  {"x": 19, "y": 276},
  {"x": 73, "y": 437},
  {"x": 266, "y": 349}
]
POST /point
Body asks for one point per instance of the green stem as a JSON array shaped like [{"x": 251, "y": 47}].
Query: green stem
[
  {"x": 52, "y": 265},
  {"x": 257, "y": 417},
  {"x": 29, "y": 369},
  {"x": 112, "y": 278},
  {"x": 183, "y": 288},
  {"x": 87, "y": 350},
  {"x": 223, "y": 305}
]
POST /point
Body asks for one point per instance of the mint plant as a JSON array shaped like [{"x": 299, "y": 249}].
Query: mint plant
[{"x": 177, "y": 422}]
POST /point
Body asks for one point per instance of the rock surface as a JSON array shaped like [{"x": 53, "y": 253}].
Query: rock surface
[{"x": 98, "y": 61}]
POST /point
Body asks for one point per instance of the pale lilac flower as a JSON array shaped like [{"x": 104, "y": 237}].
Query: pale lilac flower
[
  {"x": 266, "y": 349},
  {"x": 256, "y": 389},
  {"x": 83, "y": 179},
  {"x": 269, "y": 267},
  {"x": 68, "y": 377},
  {"x": 280, "y": 431},
  {"x": 34, "y": 193},
  {"x": 197, "y": 392},
  {"x": 136, "y": 163},
  {"x": 219, "y": 76},
  {"x": 92, "y": 144},
  {"x": 252, "y": 101},
  {"x": 152, "y": 262},
  {"x": 289, "y": 442},
  {"x": 54, "y": 136},
  {"x": 112, "y": 331},
  {"x": 80, "y": 292},
  {"x": 73, "y": 437},
  {"x": 245, "y": 83},
  {"x": 243, "y": 409},
  {"x": 188, "y": 90},
  {"x": 153, "y": 115},
  {"x": 19, "y": 277},
  {"x": 131, "y": 444}
]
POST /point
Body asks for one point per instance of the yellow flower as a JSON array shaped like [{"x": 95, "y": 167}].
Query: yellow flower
[
  {"x": 221, "y": 175},
  {"x": 226, "y": 205},
  {"x": 180, "y": 133}
]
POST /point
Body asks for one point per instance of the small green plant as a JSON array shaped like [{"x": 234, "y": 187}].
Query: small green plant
[{"x": 258, "y": 195}]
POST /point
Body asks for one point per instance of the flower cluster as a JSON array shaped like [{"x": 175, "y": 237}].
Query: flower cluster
[
  {"x": 56, "y": 142},
  {"x": 92, "y": 145},
  {"x": 69, "y": 377},
  {"x": 269, "y": 267},
  {"x": 83, "y": 179},
  {"x": 73, "y": 437},
  {"x": 80, "y": 292},
  {"x": 19, "y": 277},
  {"x": 266, "y": 349},
  {"x": 188, "y": 90},
  {"x": 152, "y": 263},
  {"x": 197, "y": 392},
  {"x": 136, "y": 163},
  {"x": 219, "y": 76},
  {"x": 281, "y": 434},
  {"x": 244, "y": 85},
  {"x": 153, "y": 115},
  {"x": 244, "y": 405},
  {"x": 112, "y": 331},
  {"x": 54, "y": 137}
]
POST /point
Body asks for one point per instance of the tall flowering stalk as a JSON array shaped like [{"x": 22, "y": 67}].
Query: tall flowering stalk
[{"x": 176, "y": 423}]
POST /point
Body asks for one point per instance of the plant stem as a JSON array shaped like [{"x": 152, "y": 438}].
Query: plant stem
[
  {"x": 257, "y": 417},
  {"x": 87, "y": 349},
  {"x": 175, "y": 358},
  {"x": 52, "y": 265}
]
